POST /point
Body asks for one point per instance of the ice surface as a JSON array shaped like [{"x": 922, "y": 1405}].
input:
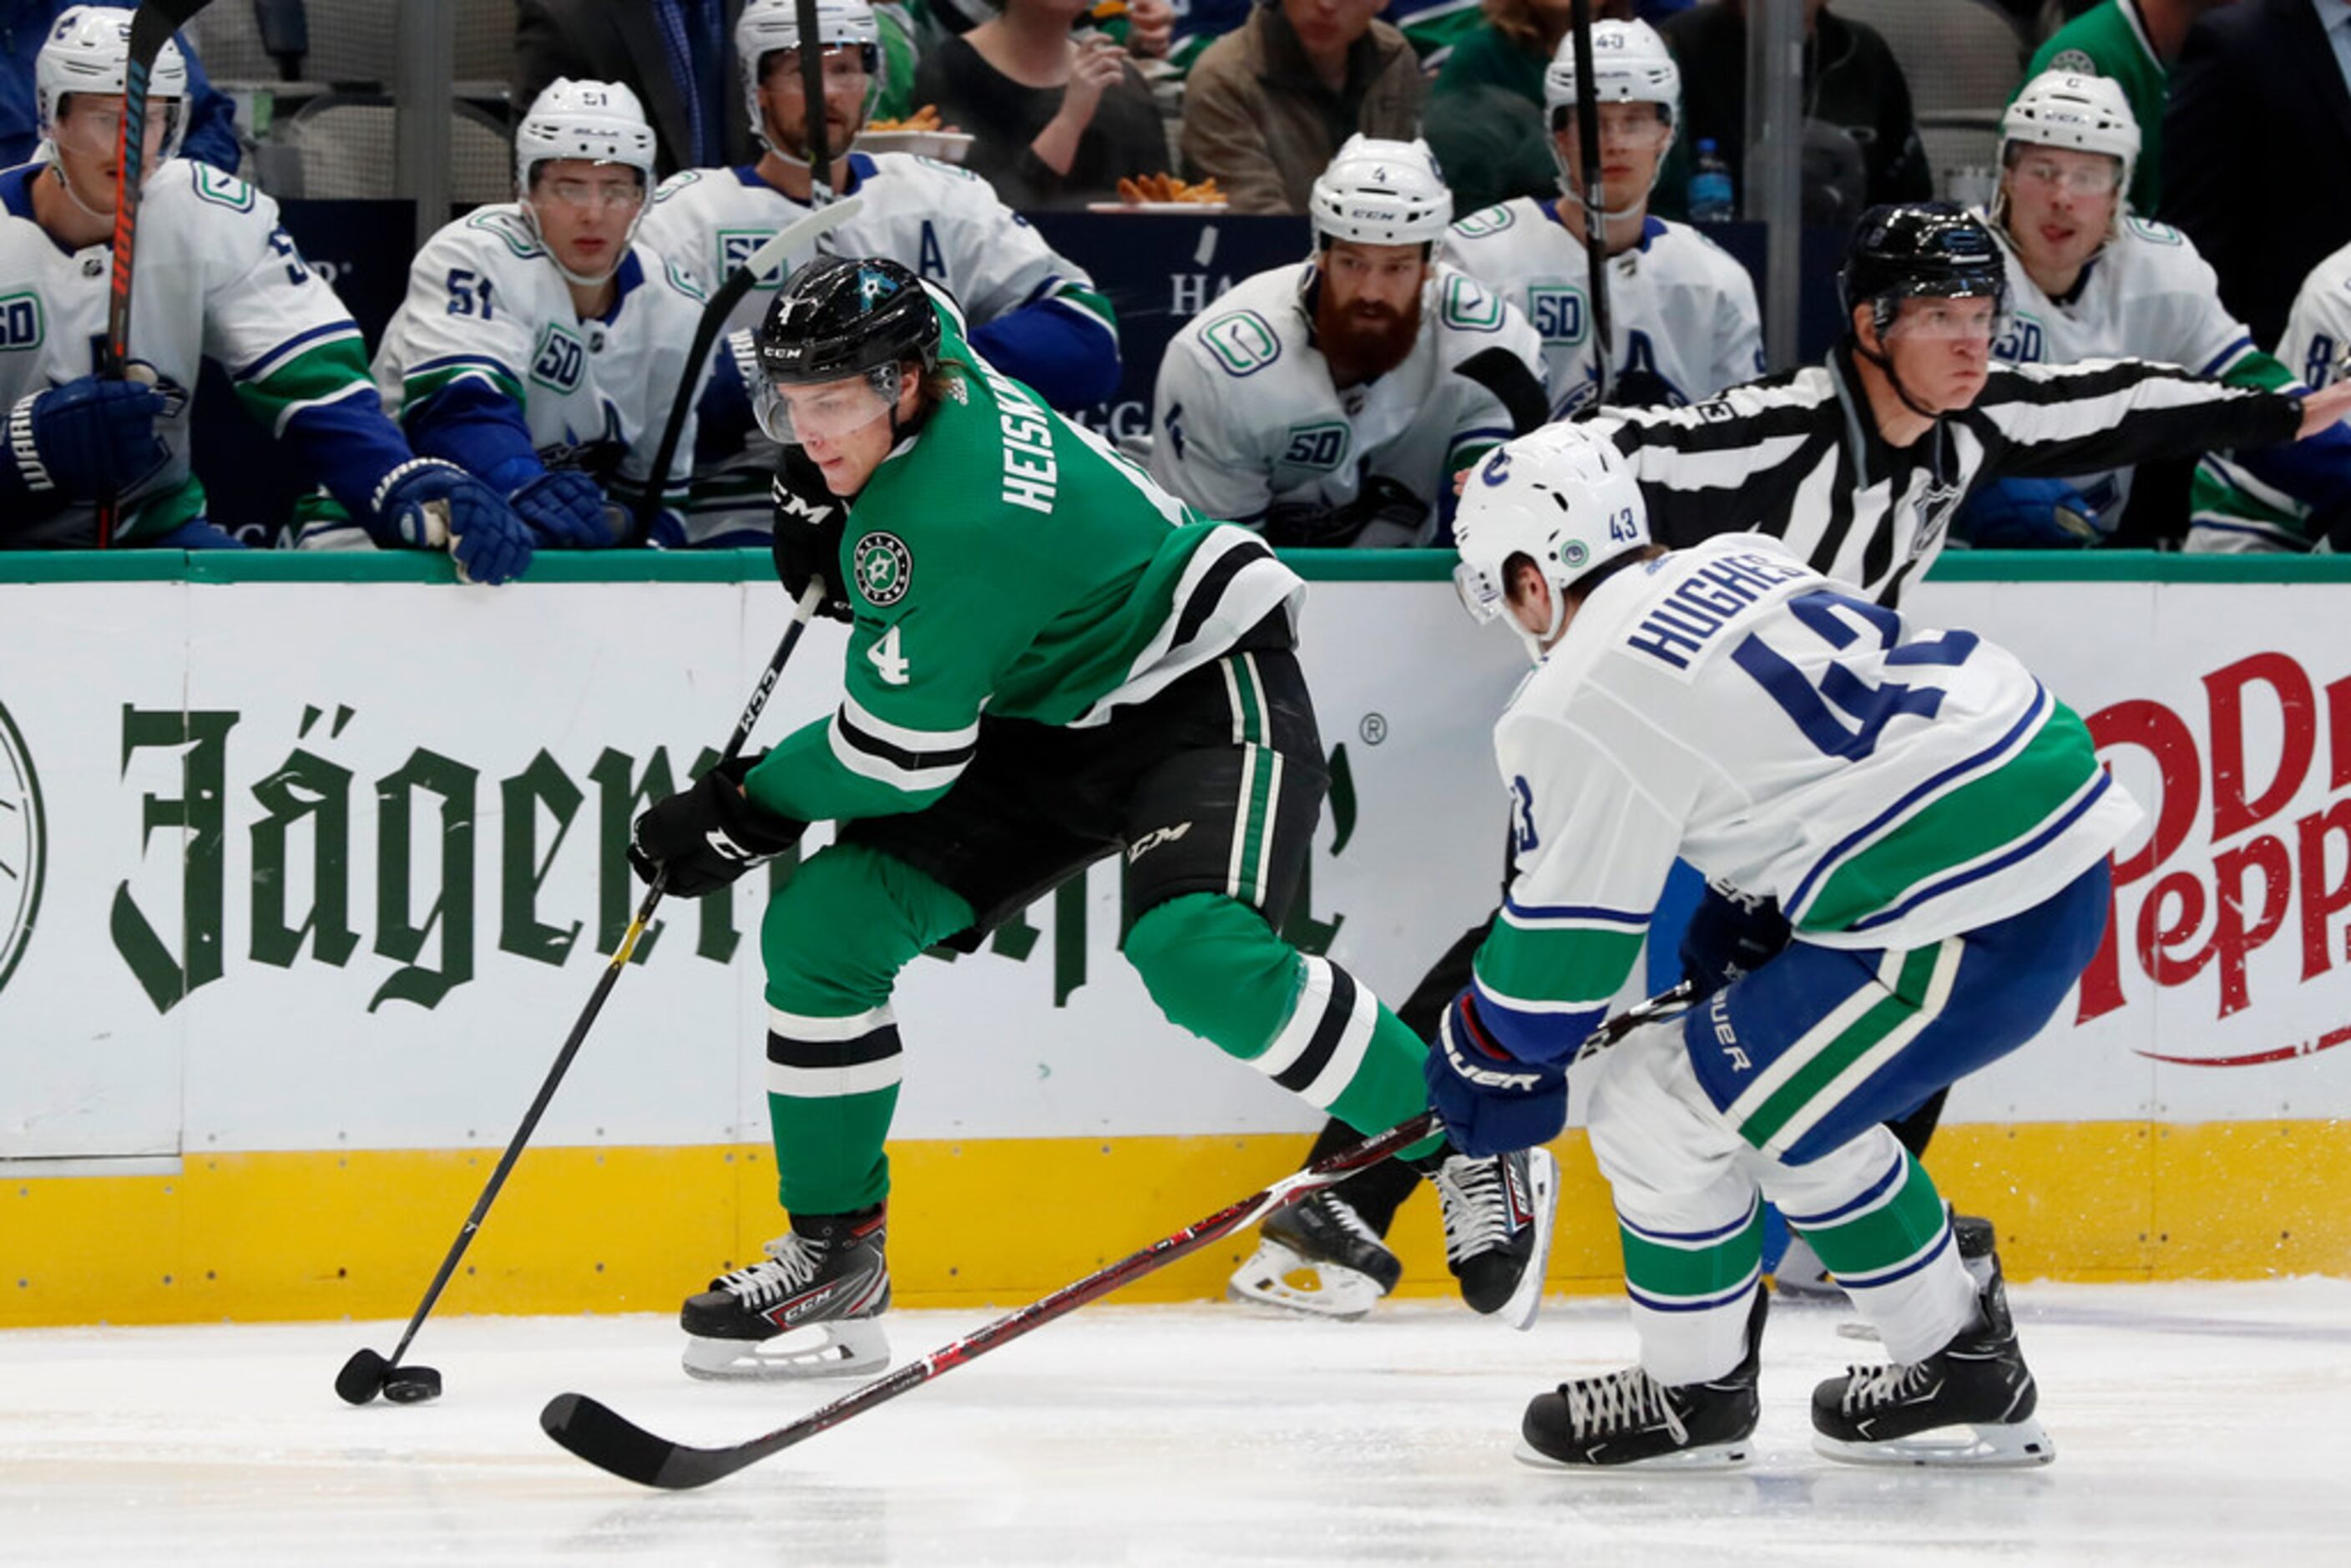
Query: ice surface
[{"x": 2194, "y": 1423}]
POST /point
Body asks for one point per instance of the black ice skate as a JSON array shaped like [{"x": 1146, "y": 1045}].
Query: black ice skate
[
  {"x": 1970, "y": 1403},
  {"x": 1318, "y": 1255},
  {"x": 809, "y": 1310},
  {"x": 1628, "y": 1420},
  {"x": 1498, "y": 1217}
]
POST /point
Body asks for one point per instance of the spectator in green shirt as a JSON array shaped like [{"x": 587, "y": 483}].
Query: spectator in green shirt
[
  {"x": 1484, "y": 119},
  {"x": 2133, "y": 41}
]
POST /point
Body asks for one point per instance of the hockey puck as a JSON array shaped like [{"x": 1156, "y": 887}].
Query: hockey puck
[
  {"x": 361, "y": 1378},
  {"x": 411, "y": 1385}
]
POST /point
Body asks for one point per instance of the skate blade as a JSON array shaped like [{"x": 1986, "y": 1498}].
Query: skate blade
[
  {"x": 1989, "y": 1445},
  {"x": 1711, "y": 1456},
  {"x": 849, "y": 1349},
  {"x": 1525, "y": 1302},
  {"x": 1279, "y": 1277}
]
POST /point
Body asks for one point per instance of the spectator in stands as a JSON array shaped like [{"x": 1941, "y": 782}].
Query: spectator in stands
[
  {"x": 1486, "y": 109},
  {"x": 2135, "y": 42},
  {"x": 1330, "y": 403},
  {"x": 1858, "y": 128},
  {"x": 2259, "y": 135},
  {"x": 1268, "y": 105},
  {"x": 26, "y": 25},
  {"x": 1060, "y": 121},
  {"x": 675, "y": 55}
]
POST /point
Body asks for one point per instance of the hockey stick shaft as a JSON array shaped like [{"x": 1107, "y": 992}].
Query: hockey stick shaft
[
  {"x": 1595, "y": 205},
  {"x": 813, "y": 102},
  {"x": 801, "y": 612},
  {"x": 151, "y": 27},
  {"x": 739, "y": 282},
  {"x": 606, "y": 1439}
]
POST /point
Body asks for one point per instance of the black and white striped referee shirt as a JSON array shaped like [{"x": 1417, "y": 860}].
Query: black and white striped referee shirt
[{"x": 1800, "y": 455}]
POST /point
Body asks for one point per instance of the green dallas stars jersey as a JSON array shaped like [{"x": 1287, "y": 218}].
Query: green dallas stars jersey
[{"x": 1003, "y": 559}]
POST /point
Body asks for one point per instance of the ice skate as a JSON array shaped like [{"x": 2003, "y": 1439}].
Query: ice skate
[
  {"x": 1970, "y": 1403},
  {"x": 1628, "y": 1420},
  {"x": 809, "y": 1310},
  {"x": 1319, "y": 1257},
  {"x": 1498, "y": 1223}
]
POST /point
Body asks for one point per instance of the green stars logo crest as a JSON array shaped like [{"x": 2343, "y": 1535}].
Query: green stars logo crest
[{"x": 884, "y": 568}]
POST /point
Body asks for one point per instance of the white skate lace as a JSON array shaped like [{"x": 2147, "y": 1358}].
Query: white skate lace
[
  {"x": 1354, "y": 1224},
  {"x": 1618, "y": 1402},
  {"x": 1476, "y": 1209},
  {"x": 1868, "y": 1387},
  {"x": 791, "y": 1263}
]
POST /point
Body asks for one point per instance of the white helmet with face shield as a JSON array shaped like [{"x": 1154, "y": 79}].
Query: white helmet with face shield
[
  {"x": 2078, "y": 114},
  {"x": 597, "y": 122},
  {"x": 768, "y": 27},
  {"x": 1562, "y": 498},
  {"x": 88, "y": 51},
  {"x": 1380, "y": 192},
  {"x": 1630, "y": 64}
]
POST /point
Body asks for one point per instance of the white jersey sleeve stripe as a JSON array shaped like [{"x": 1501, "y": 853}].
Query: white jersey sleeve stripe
[{"x": 332, "y": 332}]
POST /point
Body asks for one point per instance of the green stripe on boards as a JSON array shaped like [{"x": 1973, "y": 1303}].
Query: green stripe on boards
[
  {"x": 1835, "y": 1055},
  {"x": 1577, "y": 965},
  {"x": 1664, "y": 1272},
  {"x": 1886, "y": 1237}
]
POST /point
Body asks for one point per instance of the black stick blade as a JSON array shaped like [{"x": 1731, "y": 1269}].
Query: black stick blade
[
  {"x": 611, "y": 1441},
  {"x": 361, "y": 1378}
]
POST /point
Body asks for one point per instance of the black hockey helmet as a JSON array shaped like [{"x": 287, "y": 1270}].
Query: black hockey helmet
[
  {"x": 842, "y": 316},
  {"x": 1914, "y": 250}
]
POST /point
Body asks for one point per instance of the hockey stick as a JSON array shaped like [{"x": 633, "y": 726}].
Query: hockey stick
[
  {"x": 611, "y": 1441},
  {"x": 366, "y": 1374},
  {"x": 800, "y": 231},
  {"x": 151, "y": 27},
  {"x": 1596, "y": 218},
  {"x": 1663, "y": 1005}
]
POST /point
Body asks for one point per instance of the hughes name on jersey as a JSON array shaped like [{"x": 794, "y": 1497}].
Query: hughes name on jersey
[
  {"x": 1004, "y": 559},
  {"x": 487, "y": 358},
  {"x": 217, "y": 279},
  {"x": 1248, "y": 418},
  {"x": 1684, "y": 311},
  {"x": 1703, "y": 704}
]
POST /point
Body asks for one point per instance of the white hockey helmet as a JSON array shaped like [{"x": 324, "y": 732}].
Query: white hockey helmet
[
  {"x": 88, "y": 50},
  {"x": 1563, "y": 497},
  {"x": 600, "y": 121},
  {"x": 1380, "y": 192},
  {"x": 2082, "y": 113},
  {"x": 1630, "y": 64},
  {"x": 768, "y": 26}
]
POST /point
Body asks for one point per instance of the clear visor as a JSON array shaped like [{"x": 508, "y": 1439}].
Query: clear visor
[
  {"x": 1946, "y": 318},
  {"x": 2093, "y": 176},
  {"x": 827, "y": 410},
  {"x": 94, "y": 129},
  {"x": 615, "y": 185},
  {"x": 1481, "y": 595}
]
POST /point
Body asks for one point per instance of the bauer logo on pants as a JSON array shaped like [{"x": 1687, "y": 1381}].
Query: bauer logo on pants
[
  {"x": 23, "y": 846},
  {"x": 884, "y": 568}
]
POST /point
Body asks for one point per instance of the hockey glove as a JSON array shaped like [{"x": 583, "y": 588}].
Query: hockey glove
[
  {"x": 88, "y": 435},
  {"x": 428, "y": 503},
  {"x": 196, "y": 533},
  {"x": 1385, "y": 502},
  {"x": 709, "y": 835},
  {"x": 2030, "y": 514},
  {"x": 1731, "y": 933},
  {"x": 565, "y": 511},
  {"x": 1493, "y": 1102},
  {"x": 810, "y": 522}
]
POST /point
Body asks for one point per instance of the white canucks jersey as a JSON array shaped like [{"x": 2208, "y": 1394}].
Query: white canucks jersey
[
  {"x": 1248, "y": 417},
  {"x": 2147, "y": 295},
  {"x": 216, "y": 279},
  {"x": 2236, "y": 513},
  {"x": 1683, "y": 309},
  {"x": 1889, "y": 785},
  {"x": 942, "y": 223}
]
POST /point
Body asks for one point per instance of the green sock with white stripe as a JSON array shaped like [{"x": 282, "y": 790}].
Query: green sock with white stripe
[
  {"x": 1216, "y": 968},
  {"x": 1887, "y": 1235}
]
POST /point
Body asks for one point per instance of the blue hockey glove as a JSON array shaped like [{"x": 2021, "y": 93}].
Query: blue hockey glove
[
  {"x": 86, "y": 436},
  {"x": 1493, "y": 1102},
  {"x": 565, "y": 511},
  {"x": 668, "y": 531},
  {"x": 1731, "y": 933},
  {"x": 709, "y": 835},
  {"x": 196, "y": 534},
  {"x": 2030, "y": 514},
  {"x": 432, "y": 505}
]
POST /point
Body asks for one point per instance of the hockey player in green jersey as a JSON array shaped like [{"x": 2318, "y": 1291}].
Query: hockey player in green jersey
[{"x": 1050, "y": 660}]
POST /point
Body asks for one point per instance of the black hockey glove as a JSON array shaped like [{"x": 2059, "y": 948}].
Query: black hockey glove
[
  {"x": 1492, "y": 1103},
  {"x": 810, "y": 522},
  {"x": 1305, "y": 525},
  {"x": 1731, "y": 933},
  {"x": 709, "y": 835}
]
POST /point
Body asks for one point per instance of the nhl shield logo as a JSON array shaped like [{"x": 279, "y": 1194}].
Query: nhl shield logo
[{"x": 884, "y": 568}]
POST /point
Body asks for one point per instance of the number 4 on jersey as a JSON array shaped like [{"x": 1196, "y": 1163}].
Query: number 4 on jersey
[{"x": 888, "y": 660}]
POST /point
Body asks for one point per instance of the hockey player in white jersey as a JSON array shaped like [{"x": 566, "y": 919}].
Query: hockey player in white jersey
[
  {"x": 1331, "y": 402},
  {"x": 2233, "y": 512},
  {"x": 1682, "y": 311},
  {"x": 216, "y": 278},
  {"x": 1936, "y": 825},
  {"x": 542, "y": 345},
  {"x": 2088, "y": 280},
  {"x": 1035, "y": 315}
]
